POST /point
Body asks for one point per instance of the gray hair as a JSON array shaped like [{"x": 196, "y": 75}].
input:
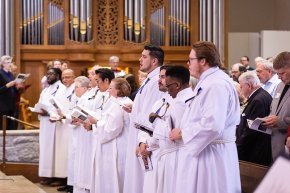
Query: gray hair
[
  {"x": 114, "y": 59},
  {"x": 82, "y": 81},
  {"x": 4, "y": 59},
  {"x": 266, "y": 64},
  {"x": 251, "y": 78}
]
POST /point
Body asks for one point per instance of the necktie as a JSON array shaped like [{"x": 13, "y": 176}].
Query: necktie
[
  {"x": 141, "y": 88},
  {"x": 283, "y": 93}
]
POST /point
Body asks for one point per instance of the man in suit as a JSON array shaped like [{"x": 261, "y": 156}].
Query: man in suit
[
  {"x": 254, "y": 146},
  {"x": 279, "y": 118},
  {"x": 8, "y": 91},
  {"x": 245, "y": 61}
]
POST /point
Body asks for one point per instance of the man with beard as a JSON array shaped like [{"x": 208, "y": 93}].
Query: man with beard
[{"x": 47, "y": 128}]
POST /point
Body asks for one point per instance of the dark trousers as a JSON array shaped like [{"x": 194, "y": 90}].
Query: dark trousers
[{"x": 10, "y": 124}]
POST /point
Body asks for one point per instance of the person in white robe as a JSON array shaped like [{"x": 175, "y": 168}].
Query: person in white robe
[
  {"x": 152, "y": 57},
  {"x": 81, "y": 86},
  {"x": 159, "y": 109},
  {"x": 208, "y": 162},
  {"x": 84, "y": 143},
  {"x": 64, "y": 129},
  {"x": 48, "y": 128},
  {"x": 177, "y": 84},
  {"x": 111, "y": 133}
]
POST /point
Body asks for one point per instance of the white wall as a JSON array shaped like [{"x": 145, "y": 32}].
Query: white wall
[
  {"x": 243, "y": 44},
  {"x": 274, "y": 42}
]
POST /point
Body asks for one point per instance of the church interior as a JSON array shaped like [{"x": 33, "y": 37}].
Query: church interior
[{"x": 84, "y": 33}]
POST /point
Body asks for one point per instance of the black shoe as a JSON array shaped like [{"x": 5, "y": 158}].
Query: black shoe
[
  {"x": 70, "y": 189},
  {"x": 63, "y": 189}
]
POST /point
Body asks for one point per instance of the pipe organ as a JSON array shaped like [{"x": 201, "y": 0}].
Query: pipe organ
[
  {"x": 7, "y": 27},
  {"x": 80, "y": 20},
  {"x": 211, "y": 19},
  {"x": 103, "y": 25},
  {"x": 31, "y": 21}
]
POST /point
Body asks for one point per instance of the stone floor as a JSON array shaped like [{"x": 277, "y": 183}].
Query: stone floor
[{"x": 19, "y": 184}]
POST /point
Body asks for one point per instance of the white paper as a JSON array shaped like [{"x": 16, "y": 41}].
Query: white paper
[
  {"x": 95, "y": 115},
  {"x": 256, "y": 125},
  {"x": 21, "y": 77},
  {"x": 277, "y": 178},
  {"x": 143, "y": 128},
  {"x": 38, "y": 108},
  {"x": 79, "y": 114}
]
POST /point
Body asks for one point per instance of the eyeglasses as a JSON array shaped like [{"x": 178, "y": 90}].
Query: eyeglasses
[
  {"x": 190, "y": 59},
  {"x": 168, "y": 85}
]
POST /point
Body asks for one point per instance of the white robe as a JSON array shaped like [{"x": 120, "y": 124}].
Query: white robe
[
  {"x": 110, "y": 133},
  {"x": 63, "y": 134},
  {"x": 83, "y": 151},
  {"x": 144, "y": 100},
  {"x": 47, "y": 132},
  {"x": 165, "y": 172},
  {"x": 209, "y": 162}
]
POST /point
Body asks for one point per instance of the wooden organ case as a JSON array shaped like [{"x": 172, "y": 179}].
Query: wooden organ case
[{"x": 88, "y": 32}]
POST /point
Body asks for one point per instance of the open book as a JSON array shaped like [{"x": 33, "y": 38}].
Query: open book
[
  {"x": 21, "y": 77},
  {"x": 257, "y": 126},
  {"x": 82, "y": 113}
]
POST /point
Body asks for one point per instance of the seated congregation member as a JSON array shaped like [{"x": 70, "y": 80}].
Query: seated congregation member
[
  {"x": 47, "y": 131},
  {"x": 208, "y": 162},
  {"x": 177, "y": 84},
  {"x": 110, "y": 135},
  {"x": 253, "y": 146}
]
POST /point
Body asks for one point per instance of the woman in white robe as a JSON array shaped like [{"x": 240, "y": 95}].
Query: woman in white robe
[{"x": 111, "y": 133}]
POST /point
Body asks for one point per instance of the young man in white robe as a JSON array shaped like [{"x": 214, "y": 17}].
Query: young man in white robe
[
  {"x": 209, "y": 161},
  {"x": 47, "y": 128},
  {"x": 152, "y": 57},
  {"x": 177, "y": 84}
]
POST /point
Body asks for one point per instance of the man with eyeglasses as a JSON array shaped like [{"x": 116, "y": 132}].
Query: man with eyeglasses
[
  {"x": 8, "y": 91},
  {"x": 176, "y": 82},
  {"x": 279, "y": 118},
  {"x": 208, "y": 162},
  {"x": 47, "y": 127}
]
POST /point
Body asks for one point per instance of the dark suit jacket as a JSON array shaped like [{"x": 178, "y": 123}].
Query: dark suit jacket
[
  {"x": 7, "y": 95},
  {"x": 254, "y": 146},
  {"x": 283, "y": 112}
]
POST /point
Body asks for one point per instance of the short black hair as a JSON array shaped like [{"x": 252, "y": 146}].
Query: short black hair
[
  {"x": 179, "y": 72},
  {"x": 164, "y": 67},
  {"x": 242, "y": 68},
  {"x": 105, "y": 73},
  {"x": 155, "y": 52},
  {"x": 57, "y": 71}
]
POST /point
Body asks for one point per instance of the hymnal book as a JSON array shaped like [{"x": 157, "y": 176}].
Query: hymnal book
[
  {"x": 87, "y": 112},
  {"x": 144, "y": 128},
  {"x": 77, "y": 113},
  {"x": 21, "y": 77},
  {"x": 145, "y": 163},
  {"x": 257, "y": 126}
]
